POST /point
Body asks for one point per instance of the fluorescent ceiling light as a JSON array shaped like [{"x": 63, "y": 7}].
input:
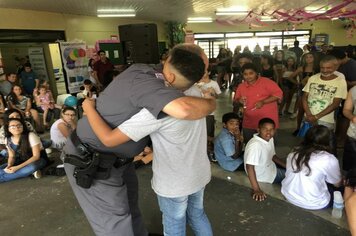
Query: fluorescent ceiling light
[
  {"x": 237, "y": 11},
  {"x": 231, "y": 13},
  {"x": 117, "y": 15},
  {"x": 314, "y": 10},
  {"x": 200, "y": 20},
  {"x": 116, "y": 10}
]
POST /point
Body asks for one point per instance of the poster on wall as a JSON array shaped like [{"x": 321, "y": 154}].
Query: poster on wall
[
  {"x": 38, "y": 62},
  {"x": 75, "y": 64}
]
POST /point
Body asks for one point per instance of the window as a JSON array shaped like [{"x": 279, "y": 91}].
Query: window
[{"x": 212, "y": 42}]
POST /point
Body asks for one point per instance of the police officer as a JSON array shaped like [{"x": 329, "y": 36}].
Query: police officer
[{"x": 111, "y": 205}]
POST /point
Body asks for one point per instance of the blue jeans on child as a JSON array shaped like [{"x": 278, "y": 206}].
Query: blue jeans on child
[
  {"x": 23, "y": 172},
  {"x": 281, "y": 174},
  {"x": 177, "y": 211}
]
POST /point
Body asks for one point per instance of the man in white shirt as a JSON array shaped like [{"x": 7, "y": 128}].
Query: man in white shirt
[{"x": 323, "y": 94}]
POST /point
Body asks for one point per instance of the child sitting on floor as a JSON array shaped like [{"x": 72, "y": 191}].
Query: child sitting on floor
[
  {"x": 228, "y": 144},
  {"x": 260, "y": 159},
  {"x": 44, "y": 103},
  {"x": 62, "y": 128},
  {"x": 309, "y": 168}
]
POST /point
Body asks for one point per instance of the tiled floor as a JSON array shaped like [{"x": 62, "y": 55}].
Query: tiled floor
[{"x": 47, "y": 206}]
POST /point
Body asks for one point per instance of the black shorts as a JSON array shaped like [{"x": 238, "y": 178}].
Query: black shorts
[{"x": 210, "y": 125}]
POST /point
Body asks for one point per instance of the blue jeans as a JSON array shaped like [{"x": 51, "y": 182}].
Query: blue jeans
[
  {"x": 281, "y": 174},
  {"x": 177, "y": 211},
  {"x": 23, "y": 172}
]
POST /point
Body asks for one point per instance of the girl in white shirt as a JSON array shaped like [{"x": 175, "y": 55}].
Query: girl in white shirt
[
  {"x": 309, "y": 168},
  {"x": 62, "y": 128}
]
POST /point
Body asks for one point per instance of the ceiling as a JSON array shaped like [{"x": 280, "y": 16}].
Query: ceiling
[{"x": 165, "y": 10}]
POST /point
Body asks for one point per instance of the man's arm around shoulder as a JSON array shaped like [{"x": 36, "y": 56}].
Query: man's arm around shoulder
[{"x": 190, "y": 108}]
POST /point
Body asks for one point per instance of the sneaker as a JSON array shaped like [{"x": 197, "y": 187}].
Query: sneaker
[
  {"x": 37, "y": 174},
  {"x": 294, "y": 115},
  {"x": 48, "y": 150},
  {"x": 211, "y": 157}
]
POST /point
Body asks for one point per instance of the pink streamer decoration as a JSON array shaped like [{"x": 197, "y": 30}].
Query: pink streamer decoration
[{"x": 295, "y": 16}]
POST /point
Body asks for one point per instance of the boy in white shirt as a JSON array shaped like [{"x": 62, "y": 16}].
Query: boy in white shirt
[
  {"x": 260, "y": 159},
  {"x": 207, "y": 84}
]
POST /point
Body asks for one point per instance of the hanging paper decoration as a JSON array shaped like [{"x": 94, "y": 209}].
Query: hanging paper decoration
[{"x": 334, "y": 9}]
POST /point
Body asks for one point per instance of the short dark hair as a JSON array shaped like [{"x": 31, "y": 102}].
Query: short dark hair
[
  {"x": 266, "y": 120},
  {"x": 296, "y": 43},
  {"x": 10, "y": 73},
  {"x": 100, "y": 51},
  {"x": 87, "y": 82},
  {"x": 249, "y": 66},
  {"x": 327, "y": 58},
  {"x": 245, "y": 55},
  {"x": 27, "y": 64},
  {"x": 187, "y": 63},
  {"x": 229, "y": 116},
  {"x": 339, "y": 54}
]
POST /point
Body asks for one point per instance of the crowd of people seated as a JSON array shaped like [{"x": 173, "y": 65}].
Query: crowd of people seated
[
  {"x": 263, "y": 85},
  {"x": 29, "y": 100}
]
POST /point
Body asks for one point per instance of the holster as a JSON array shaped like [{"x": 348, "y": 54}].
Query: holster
[{"x": 90, "y": 164}]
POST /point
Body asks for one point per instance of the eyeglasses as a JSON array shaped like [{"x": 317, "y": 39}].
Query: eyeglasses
[
  {"x": 72, "y": 115},
  {"x": 15, "y": 126}
]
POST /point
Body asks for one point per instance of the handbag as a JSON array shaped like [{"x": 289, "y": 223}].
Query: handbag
[{"x": 304, "y": 128}]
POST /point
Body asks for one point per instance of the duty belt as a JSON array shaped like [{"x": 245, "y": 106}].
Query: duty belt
[{"x": 91, "y": 164}]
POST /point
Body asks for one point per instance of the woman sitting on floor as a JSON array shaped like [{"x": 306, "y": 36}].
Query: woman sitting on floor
[
  {"x": 14, "y": 113},
  {"x": 26, "y": 155},
  {"x": 17, "y": 100},
  {"x": 309, "y": 168},
  {"x": 62, "y": 128}
]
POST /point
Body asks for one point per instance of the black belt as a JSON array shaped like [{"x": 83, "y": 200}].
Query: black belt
[
  {"x": 91, "y": 164},
  {"x": 85, "y": 149}
]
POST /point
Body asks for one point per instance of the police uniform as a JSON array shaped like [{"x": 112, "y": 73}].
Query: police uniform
[{"x": 111, "y": 205}]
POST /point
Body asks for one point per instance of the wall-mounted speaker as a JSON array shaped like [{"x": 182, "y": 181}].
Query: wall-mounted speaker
[{"x": 140, "y": 43}]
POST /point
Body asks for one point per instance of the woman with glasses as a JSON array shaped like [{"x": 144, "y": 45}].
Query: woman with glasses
[
  {"x": 14, "y": 113},
  {"x": 26, "y": 155},
  {"x": 62, "y": 128}
]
